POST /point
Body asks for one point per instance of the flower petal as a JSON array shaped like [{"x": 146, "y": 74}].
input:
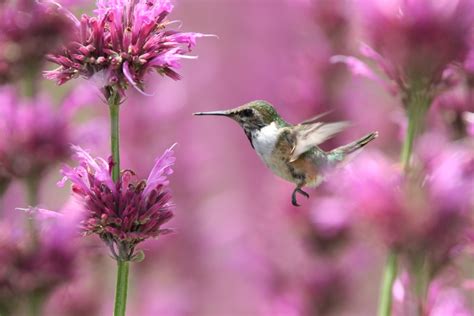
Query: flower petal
[
  {"x": 160, "y": 171},
  {"x": 359, "y": 68},
  {"x": 128, "y": 75}
]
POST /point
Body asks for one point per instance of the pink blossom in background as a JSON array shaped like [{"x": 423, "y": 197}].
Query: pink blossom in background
[
  {"x": 121, "y": 44},
  {"x": 314, "y": 84},
  {"x": 412, "y": 42},
  {"x": 28, "y": 30},
  {"x": 406, "y": 33},
  {"x": 468, "y": 118},
  {"x": 449, "y": 108},
  {"x": 326, "y": 226},
  {"x": 443, "y": 298},
  {"x": 36, "y": 136},
  {"x": 34, "y": 264},
  {"x": 425, "y": 215}
]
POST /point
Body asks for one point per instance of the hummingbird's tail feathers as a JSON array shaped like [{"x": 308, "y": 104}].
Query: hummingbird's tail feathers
[
  {"x": 356, "y": 145},
  {"x": 340, "y": 156}
]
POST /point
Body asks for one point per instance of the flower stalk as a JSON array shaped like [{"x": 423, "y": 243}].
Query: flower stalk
[
  {"x": 422, "y": 278},
  {"x": 121, "y": 288},
  {"x": 114, "y": 108},
  {"x": 389, "y": 275},
  {"x": 32, "y": 184},
  {"x": 32, "y": 195},
  {"x": 35, "y": 304},
  {"x": 417, "y": 104},
  {"x": 30, "y": 84}
]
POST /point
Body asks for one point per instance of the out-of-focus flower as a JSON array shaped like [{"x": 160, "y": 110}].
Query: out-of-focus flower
[
  {"x": 33, "y": 264},
  {"x": 442, "y": 299},
  {"x": 414, "y": 41},
  {"x": 28, "y": 31},
  {"x": 35, "y": 136},
  {"x": 5, "y": 179},
  {"x": 326, "y": 226},
  {"x": 313, "y": 82},
  {"x": 331, "y": 16},
  {"x": 326, "y": 291},
  {"x": 450, "y": 108},
  {"x": 468, "y": 118},
  {"x": 125, "y": 40},
  {"x": 125, "y": 213},
  {"x": 426, "y": 214},
  {"x": 459, "y": 99}
]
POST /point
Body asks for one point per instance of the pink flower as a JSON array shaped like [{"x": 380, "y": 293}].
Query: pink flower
[
  {"x": 414, "y": 41},
  {"x": 125, "y": 213},
  {"x": 327, "y": 225},
  {"x": 36, "y": 264},
  {"x": 425, "y": 215},
  {"x": 28, "y": 31},
  {"x": 327, "y": 290},
  {"x": 35, "y": 136},
  {"x": 441, "y": 298},
  {"x": 124, "y": 41}
]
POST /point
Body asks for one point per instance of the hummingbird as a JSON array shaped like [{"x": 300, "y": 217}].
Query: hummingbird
[{"x": 291, "y": 151}]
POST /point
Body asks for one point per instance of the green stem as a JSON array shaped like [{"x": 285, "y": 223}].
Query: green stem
[
  {"x": 122, "y": 266},
  {"x": 35, "y": 304},
  {"x": 32, "y": 190},
  {"x": 121, "y": 288},
  {"x": 422, "y": 282},
  {"x": 29, "y": 85},
  {"x": 114, "y": 107},
  {"x": 418, "y": 103},
  {"x": 389, "y": 275},
  {"x": 32, "y": 196}
]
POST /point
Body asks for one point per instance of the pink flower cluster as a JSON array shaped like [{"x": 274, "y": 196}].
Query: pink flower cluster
[
  {"x": 413, "y": 42},
  {"x": 121, "y": 43},
  {"x": 36, "y": 262},
  {"x": 124, "y": 213},
  {"x": 35, "y": 136},
  {"x": 424, "y": 213},
  {"x": 28, "y": 31}
]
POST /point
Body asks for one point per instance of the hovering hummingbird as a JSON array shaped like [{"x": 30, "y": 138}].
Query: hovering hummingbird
[{"x": 291, "y": 151}]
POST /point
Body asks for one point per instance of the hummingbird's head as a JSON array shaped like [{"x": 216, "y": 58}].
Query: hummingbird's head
[{"x": 251, "y": 116}]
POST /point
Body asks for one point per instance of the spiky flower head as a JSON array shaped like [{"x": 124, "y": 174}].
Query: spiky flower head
[
  {"x": 124, "y": 213},
  {"x": 121, "y": 43}
]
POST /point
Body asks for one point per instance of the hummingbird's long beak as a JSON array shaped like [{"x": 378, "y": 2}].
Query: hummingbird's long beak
[{"x": 219, "y": 113}]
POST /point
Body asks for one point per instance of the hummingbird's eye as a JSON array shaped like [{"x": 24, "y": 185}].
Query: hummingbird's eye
[{"x": 247, "y": 113}]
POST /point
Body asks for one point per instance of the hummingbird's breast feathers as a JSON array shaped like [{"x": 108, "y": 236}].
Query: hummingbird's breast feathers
[
  {"x": 265, "y": 139},
  {"x": 274, "y": 144}
]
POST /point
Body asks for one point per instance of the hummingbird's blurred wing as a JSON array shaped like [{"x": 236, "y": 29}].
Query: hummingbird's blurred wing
[
  {"x": 307, "y": 135},
  {"x": 316, "y": 118}
]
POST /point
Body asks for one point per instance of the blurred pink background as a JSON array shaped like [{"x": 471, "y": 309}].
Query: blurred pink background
[{"x": 239, "y": 247}]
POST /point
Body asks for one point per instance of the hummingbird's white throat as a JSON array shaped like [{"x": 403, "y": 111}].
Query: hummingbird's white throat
[{"x": 264, "y": 141}]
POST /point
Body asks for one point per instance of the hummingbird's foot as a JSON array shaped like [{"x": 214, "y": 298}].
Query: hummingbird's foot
[{"x": 293, "y": 196}]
